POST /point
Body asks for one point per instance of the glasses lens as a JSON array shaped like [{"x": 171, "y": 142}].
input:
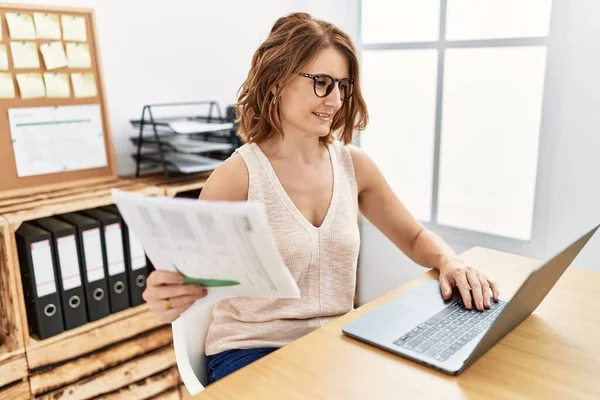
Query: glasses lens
[
  {"x": 323, "y": 85},
  {"x": 345, "y": 89}
]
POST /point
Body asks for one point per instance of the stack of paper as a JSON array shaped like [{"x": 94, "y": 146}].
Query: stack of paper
[
  {"x": 186, "y": 126},
  {"x": 191, "y": 163}
]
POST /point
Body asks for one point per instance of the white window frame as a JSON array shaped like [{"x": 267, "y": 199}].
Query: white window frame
[{"x": 465, "y": 238}]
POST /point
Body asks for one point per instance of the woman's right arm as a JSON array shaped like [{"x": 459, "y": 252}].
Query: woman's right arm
[{"x": 229, "y": 182}]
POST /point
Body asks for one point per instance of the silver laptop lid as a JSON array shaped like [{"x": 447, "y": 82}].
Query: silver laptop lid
[{"x": 529, "y": 296}]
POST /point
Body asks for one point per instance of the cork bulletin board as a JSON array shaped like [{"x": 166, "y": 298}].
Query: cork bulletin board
[{"x": 46, "y": 127}]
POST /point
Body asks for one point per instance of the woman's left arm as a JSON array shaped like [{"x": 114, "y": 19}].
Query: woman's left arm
[{"x": 382, "y": 208}]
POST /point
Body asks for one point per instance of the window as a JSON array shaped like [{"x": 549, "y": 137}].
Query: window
[{"x": 455, "y": 89}]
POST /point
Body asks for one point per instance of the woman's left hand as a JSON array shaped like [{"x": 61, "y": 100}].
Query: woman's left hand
[{"x": 473, "y": 285}]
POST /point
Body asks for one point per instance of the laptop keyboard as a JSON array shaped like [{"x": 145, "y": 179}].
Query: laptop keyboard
[{"x": 449, "y": 330}]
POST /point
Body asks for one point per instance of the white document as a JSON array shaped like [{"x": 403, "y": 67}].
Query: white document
[
  {"x": 225, "y": 246},
  {"x": 25, "y": 55},
  {"x": 57, "y": 139},
  {"x": 138, "y": 255},
  {"x": 43, "y": 268},
  {"x": 20, "y": 26},
  {"x": 54, "y": 55},
  {"x": 74, "y": 28},
  {"x": 69, "y": 262},
  {"x": 79, "y": 55},
  {"x": 198, "y": 127},
  {"x": 46, "y": 26},
  {"x": 92, "y": 248},
  {"x": 114, "y": 249}
]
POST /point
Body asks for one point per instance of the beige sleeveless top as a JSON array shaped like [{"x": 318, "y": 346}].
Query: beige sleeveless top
[{"x": 322, "y": 261}]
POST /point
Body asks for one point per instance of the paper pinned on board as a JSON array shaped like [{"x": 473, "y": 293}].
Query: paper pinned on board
[
  {"x": 46, "y": 26},
  {"x": 78, "y": 55},
  {"x": 74, "y": 28},
  {"x": 54, "y": 55},
  {"x": 3, "y": 58},
  {"x": 227, "y": 246},
  {"x": 84, "y": 84},
  {"x": 20, "y": 26},
  {"x": 31, "y": 85},
  {"x": 7, "y": 86},
  {"x": 57, "y": 85},
  {"x": 57, "y": 139},
  {"x": 25, "y": 55}
]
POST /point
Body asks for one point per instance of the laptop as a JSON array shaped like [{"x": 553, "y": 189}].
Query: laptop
[{"x": 420, "y": 325}]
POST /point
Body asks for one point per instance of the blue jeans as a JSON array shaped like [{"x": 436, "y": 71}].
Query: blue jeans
[{"x": 222, "y": 364}]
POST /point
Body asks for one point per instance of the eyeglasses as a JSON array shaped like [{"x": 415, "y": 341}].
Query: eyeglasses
[{"x": 324, "y": 84}]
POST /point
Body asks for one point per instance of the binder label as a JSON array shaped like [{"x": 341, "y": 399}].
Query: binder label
[
  {"x": 138, "y": 256},
  {"x": 92, "y": 247},
  {"x": 69, "y": 263},
  {"x": 114, "y": 249},
  {"x": 43, "y": 268}
]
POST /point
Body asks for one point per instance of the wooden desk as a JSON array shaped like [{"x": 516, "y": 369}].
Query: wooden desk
[{"x": 554, "y": 354}]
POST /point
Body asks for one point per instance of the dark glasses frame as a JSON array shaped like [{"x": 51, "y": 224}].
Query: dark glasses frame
[{"x": 329, "y": 89}]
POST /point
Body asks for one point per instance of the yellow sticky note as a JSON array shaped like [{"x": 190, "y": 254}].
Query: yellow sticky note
[
  {"x": 25, "y": 55},
  {"x": 79, "y": 55},
  {"x": 7, "y": 86},
  {"x": 57, "y": 84},
  {"x": 46, "y": 26},
  {"x": 74, "y": 28},
  {"x": 31, "y": 85},
  {"x": 54, "y": 55},
  {"x": 20, "y": 26},
  {"x": 3, "y": 58},
  {"x": 84, "y": 84}
]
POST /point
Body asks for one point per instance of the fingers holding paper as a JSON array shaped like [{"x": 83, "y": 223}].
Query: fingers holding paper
[{"x": 168, "y": 297}]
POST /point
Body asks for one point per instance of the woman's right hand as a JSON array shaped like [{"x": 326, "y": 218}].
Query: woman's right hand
[{"x": 168, "y": 297}]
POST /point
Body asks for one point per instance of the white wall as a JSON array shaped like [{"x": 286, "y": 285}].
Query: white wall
[{"x": 575, "y": 191}]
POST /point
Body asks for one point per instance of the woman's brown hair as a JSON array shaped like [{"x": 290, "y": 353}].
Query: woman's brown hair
[{"x": 294, "y": 40}]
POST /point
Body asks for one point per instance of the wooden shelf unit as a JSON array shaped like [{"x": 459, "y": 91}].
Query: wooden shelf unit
[
  {"x": 125, "y": 353},
  {"x": 13, "y": 362}
]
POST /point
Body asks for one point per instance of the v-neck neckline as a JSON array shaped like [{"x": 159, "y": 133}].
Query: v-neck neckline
[{"x": 287, "y": 200}]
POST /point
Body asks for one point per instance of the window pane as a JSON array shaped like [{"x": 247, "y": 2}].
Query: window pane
[
  {"x": 490, "y": 132},
  {"x": 385, "y": 21},
  {"x": 493, "y": 19},
  {"x": 400, "y": 91}
]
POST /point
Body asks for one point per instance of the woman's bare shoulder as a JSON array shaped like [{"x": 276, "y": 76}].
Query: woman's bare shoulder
[{"x": 229, "y": 182}]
